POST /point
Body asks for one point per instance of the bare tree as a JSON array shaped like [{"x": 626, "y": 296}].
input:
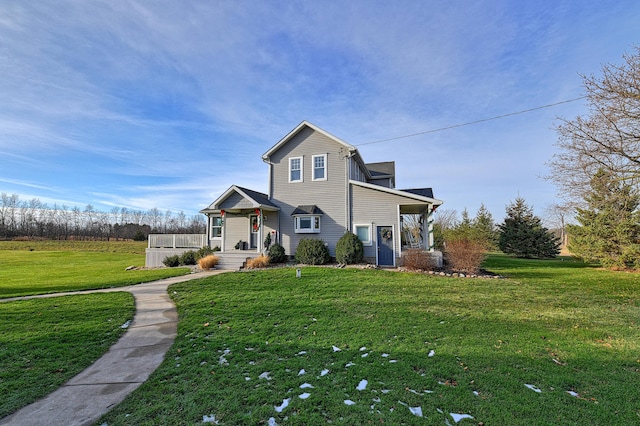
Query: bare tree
[
  {"x": 608, "y": 137},
  {"x": 557, "y": 217}
]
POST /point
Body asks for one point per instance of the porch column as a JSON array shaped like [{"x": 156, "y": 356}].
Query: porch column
[
  {"x": 260, "y": 231},
  {"x": 429, "y": 229}
]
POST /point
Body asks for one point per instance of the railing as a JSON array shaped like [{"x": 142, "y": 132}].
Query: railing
[{"x": 177, "y": 240}]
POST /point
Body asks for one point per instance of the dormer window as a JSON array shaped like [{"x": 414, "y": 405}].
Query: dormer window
[
  {"x": 319, "y": 167},
  {"x": 295, "y": 169}
]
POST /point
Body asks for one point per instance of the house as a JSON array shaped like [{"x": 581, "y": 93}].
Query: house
[{"x": 320, "y": 187}]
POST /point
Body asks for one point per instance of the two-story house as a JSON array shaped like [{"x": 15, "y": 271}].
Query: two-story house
[{"x": 320, "y": 187}]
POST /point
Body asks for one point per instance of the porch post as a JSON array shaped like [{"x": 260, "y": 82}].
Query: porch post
[{"x": 429, "y": 229}]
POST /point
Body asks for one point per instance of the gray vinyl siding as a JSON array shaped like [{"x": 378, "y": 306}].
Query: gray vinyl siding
[
  {"x": 236, "y": 201},
  {"x": 380, "y": 209},
  {"x": 236, "y": 229},
  {"x": 329, "y": 195}
]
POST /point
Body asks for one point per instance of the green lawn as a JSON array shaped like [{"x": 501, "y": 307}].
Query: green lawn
[
  {"x": 250, "y": 344},
  {"x": 38, "y": 272},
  {"x": 45, "y": 342}
]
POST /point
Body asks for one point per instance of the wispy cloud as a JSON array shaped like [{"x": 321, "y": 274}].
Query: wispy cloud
[{"x": 166, "y": 104}]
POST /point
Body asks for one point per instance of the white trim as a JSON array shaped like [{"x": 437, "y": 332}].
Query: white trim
[
  {"x": 313, "y": 167},
  {"x": 397, "y": 192},
  {"x": 301, "y": 159},
  {"x": 369, "y": 227},
  {"x": 299, "y": 127},
  {"x": 315, "y": 219}
]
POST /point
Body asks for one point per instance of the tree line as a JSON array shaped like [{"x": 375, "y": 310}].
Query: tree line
[{"x": 35, "y": 219}]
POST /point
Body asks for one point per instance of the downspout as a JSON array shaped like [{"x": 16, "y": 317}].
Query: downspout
[
  {"x": 270, "y": 197},
  {"x": 347, "y": 211}
]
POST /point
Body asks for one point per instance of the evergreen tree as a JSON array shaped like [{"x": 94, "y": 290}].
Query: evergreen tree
[
  {"x": 480, "y": 229},
  {"x": 609, "y": 225},
  {"x": 485, "y": 227},
  {"x": 523, "y": 235}
]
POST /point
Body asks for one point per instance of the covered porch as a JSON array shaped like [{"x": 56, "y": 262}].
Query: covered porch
[{"x": 240, "y": 221}]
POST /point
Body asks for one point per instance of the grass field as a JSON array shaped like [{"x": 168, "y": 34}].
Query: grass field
[
  {"x": 45, "y": 342},
  {"x": 28, "y": 267},
  {"x": 556, "y": 342}
]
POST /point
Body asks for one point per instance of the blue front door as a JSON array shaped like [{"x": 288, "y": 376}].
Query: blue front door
[{"x": 386, "y": 255}]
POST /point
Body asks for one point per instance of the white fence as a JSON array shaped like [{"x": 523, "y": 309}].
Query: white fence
[{"x": 177, "y": 240}]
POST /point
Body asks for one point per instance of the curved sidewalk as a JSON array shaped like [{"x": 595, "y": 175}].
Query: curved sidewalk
[{"x": 127, "y": 364}]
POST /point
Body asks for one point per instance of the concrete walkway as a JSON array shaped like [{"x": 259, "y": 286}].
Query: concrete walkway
[{"x": 127, "y": 364}]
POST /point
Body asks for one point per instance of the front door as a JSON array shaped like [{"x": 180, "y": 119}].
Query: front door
[
  {"x": 386, "y": 252},
  {"x": 254, "y": 224}
]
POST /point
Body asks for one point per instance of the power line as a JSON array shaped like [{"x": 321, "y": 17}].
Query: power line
[{"x": 469, "y": 123}]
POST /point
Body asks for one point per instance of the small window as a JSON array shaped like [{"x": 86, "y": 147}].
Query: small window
[
  {"x": 320, "y": 167},
  {"x": 364, "y": 233},
  {"x": 307, "y": 224},
  {"x": 295, "y": 169},
  {"x": 216, "y": 227}
]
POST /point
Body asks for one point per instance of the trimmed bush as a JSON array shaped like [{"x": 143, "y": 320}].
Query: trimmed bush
[
  {"x": 418, "y": 260},
  {"x": 261, "y": 261},
  {"x": 349, "y": 249},
  {"x": 208, "y": 262},
  {"x": 312, "y": 251},
  {"x": 171, "y": 261},
  {"x": 188, "y": 258},
  {"x": 277, "y": 254},
  {"x": 465, "y": 255}
]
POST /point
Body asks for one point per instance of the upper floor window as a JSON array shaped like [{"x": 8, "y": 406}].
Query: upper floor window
[
  {"x": 319, "y": 167},
  {"x": 295, "y": 169}
]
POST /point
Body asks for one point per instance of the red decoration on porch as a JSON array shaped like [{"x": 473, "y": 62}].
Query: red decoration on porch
[
  {"x": 222, "y": 213},
  {"x": 258, "y": 212}
]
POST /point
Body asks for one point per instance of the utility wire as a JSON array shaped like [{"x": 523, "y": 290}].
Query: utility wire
[{"x": 469, "y": 123}]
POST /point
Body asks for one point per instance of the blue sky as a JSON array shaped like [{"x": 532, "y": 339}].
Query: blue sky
[{"x": 166, "y": 104}]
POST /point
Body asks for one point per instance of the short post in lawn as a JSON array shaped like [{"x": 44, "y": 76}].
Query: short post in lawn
[{"x": 298, "y": 273}]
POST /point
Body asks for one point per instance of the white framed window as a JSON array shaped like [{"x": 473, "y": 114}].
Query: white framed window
[
  {"x": 295, "y": 169},
  {"x": 307, "y": 224},
  {"x": 216, "y": 227},
  {"x": 319, "y": 167},
  {"x": 364, "y": 233}
]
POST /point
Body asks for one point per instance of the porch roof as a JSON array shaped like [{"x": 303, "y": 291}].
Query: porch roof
[
  {"x": 424, "y": 195},
  {"x": 258, "y": 200}
]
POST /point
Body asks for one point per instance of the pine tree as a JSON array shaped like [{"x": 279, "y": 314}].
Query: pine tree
[
  {"x": 609, "y": 230},
  {"x": 485, "y": 227},
  {"x": 523, "y": 235}
]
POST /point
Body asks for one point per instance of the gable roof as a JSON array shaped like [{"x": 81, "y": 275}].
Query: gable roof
[
  {"x": 299, "y": 127},
  {"x": 257, "y": 199}
]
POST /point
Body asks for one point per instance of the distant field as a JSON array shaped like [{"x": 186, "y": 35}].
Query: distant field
[
  {"x": 133, "y": 247},
  {"x": 42, "y": 267}
]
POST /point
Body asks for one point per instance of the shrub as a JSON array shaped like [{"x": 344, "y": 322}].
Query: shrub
[
  {"x": 277, "y": 254},
  {"x": 171, "y": 261},
  {"x": 349, "y": 249},
  {"x": 208, "y": 262},
  {"x": 204, "y": 252},
  {"x": 312, "y": 251},
  {"x": 465, "y": 255},
  {"x": 418, "y": 260},
  {"x": 261, "y": 261},
  {"x": 188, "y": 258}
]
